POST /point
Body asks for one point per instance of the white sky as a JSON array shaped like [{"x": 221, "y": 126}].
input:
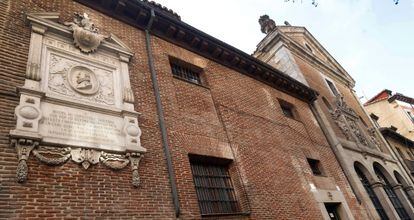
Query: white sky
[{"x": 371, "y": 39}]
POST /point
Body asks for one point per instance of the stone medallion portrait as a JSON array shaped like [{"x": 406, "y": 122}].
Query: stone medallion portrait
[{"x": 83, "y": 80}]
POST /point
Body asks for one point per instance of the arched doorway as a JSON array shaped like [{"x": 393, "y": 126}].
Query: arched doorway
[
  {"x": 361, "y": 170},
  {"x": 396, "y": 202}
]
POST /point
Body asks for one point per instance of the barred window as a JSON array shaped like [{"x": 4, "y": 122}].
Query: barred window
[
  {"x": 368, "y": 188},
  {"x": 402, "y": 213},
  {"x": 214, "y": 189},
  {"x": 185, "y": 72}
]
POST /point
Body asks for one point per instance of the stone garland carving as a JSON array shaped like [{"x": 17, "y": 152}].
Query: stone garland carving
[
  {"x": 114, "y": 161},
  {"x": 51, "y": 155},
  {"x": 85, "y": 34},
  {"x": 86, "y": 157},
  {"x": 23, "y": 148},
  {"x": 135, "y": 159}
]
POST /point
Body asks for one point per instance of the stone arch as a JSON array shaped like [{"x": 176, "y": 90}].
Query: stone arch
[
  {"x": 367, "y": 180},
  {"x": 371, "y": 178},
  {"x": 379, "y": 168},
  {"x": 400, "y": 179},
  {"x": 407, "y": 189},
  {"x": 395, "y": 195}
]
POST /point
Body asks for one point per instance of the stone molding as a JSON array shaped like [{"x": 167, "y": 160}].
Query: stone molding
[
  {"x": 54, "y": 156},
  {"x": 377, "y": 184}
]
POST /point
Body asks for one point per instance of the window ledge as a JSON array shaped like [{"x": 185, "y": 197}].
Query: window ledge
[{"x": 188, "y": 81}]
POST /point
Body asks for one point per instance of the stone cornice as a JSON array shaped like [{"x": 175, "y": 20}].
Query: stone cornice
[
  {"x": 137, "y": 14},
  {"x": 301, "y": 52},
  {"x": 312, "y": 40}
]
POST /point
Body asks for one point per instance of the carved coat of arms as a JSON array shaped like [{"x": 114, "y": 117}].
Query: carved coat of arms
[{"x": 85, "y": 34}]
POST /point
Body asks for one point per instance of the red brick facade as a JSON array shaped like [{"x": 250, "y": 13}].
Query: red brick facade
[{"x": 233, "y": 116}]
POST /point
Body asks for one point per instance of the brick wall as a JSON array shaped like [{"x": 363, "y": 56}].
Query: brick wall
[{"x": 234, "y": 117}]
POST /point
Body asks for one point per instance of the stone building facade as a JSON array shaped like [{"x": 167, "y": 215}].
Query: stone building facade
[
  {"x": 117, "y": 109},
  {"x": 395, "y": 110},
  {"x": 402, "y": 146},
  {"x": 369, "y": 164}
]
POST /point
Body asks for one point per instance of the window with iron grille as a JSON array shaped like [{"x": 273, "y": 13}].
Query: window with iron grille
[
  {"x": 392, "y": 196},
  {"x": 368, "y": 188},
  {"x": 214, "y": 189},
  {"x": 185, "y": 72}
]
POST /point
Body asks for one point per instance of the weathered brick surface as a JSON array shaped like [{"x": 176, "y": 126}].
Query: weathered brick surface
[{"x": 234, "y": 117}]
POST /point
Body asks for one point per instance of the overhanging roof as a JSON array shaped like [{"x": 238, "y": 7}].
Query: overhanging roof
[
  {"x": 169, "y": 27},
  {"x": 388, "y": 132}
]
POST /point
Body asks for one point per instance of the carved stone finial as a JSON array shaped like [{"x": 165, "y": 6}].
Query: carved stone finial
[
  {"x": 85, "y": 34},
  {"x": 267, "y": 25},
  {"x": 135, "y": 159},
  {"x": 23, "y": 148}
]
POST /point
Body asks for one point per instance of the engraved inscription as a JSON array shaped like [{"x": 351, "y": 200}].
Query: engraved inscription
[{"x": 81, "y": 127}]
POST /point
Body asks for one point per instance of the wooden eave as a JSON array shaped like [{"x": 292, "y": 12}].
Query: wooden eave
[{"x": 137, "y": 14}]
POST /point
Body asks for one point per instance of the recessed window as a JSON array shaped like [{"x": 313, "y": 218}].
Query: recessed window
[
  {"x": 214, "y": 188},
  {"x": 332, "y": 87},
  {"x": 287, "y": 109},
  {"x": 186, "y": 71},
  {"x": 375, "y": 120},
  {"x": 315, "y": 166}
]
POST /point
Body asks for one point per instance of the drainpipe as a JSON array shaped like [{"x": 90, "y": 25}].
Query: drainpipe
[{"x": 161, "y": 119}]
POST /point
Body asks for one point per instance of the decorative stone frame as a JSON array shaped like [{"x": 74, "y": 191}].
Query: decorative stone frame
[{"x": 64, "y": 112}]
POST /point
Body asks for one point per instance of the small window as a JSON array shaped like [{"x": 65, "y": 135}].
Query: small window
[
  {"x": 410, "y": 115},
  {"x": 287, "y": 109},
  {"x": 186, "y": 71},
  {"x": 315, "y": 166},
  {"x": 332, "y": 87},
  {"x": 375, "y": 120},
  {"x": 214, "y": 188}
]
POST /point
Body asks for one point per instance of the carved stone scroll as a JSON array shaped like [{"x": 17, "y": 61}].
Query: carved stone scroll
[{"x": 23, "y": 147}]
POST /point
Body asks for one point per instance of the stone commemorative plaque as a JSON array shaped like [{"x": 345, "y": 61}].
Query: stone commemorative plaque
[{"x": 77, "y": 100}]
